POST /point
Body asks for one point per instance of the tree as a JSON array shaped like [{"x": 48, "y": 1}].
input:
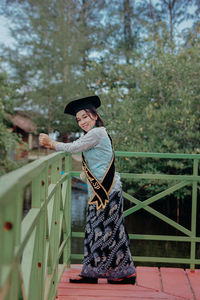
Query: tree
[
  {"x": 60, "y": 38},
  {"x": 57, "y": 38},
  {"x": 176, "y": 11},
  {"x": 8, "y": 140}
]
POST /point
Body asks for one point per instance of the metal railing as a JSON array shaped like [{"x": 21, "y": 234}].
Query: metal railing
[
  {"x": 32, "y": 247},
  {"x": 179, "y": 181}
]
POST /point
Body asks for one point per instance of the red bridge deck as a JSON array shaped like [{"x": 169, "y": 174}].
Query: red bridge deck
[{"x": 152, "y": 283}]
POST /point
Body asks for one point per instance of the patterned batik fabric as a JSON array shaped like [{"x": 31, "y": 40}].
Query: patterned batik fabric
[{"x": 106, "y": 245}]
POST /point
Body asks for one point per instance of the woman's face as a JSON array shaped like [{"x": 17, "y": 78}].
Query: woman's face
[{"x": 86, "y": 120}]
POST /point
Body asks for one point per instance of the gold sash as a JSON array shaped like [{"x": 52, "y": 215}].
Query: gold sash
[{"x": 101, "y": 189}]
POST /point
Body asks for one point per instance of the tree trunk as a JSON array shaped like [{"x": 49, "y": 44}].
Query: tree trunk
[
  {"x": 84, "y": 28},
  {"x": 66, "y": 26},
  {"x": 171, "y": 4},
  {"x": 152, "y": 17},
  {"x": 171, "y": 21},
  {"x": 127, "y": 29}
]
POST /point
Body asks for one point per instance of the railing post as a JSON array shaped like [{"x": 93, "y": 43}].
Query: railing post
[
  {"x": 33, "y": 261},
  {"x": 194, "y": 215},
  {"x": 67, "y": 212},
  {"x": 54, "y": 222},
  {"x": 11, "y": 218}
]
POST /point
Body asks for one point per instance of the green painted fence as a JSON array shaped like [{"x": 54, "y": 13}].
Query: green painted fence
[
  {"x": 36, "y": 248},
  {"x": 32, "y": 247}
]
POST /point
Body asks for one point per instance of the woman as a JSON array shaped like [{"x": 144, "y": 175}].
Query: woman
[{"x": 106, "y": 243}]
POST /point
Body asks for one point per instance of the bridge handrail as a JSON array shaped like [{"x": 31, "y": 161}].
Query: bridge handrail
[
  {"x": 33, "y": 271},
  {"x": 157, "y": 155},
  {"x": 32, "y": 247},
  {"x": 24, "y": 174},
  {"x": 183, "y": 180}
]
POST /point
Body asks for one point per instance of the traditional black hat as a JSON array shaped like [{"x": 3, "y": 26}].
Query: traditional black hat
[{"x": 84, "y": 103}]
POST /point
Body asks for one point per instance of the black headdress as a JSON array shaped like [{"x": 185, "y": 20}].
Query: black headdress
[{"x": 84, "y": 103}]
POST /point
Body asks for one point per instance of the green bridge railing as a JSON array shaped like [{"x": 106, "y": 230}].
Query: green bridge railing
[{"x": 36, "y": 248}]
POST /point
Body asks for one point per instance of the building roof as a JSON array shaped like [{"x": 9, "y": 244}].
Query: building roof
[{"x": 23, "y": 122}]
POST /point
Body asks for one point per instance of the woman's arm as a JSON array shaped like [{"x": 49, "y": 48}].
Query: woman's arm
[{"x": 86, "y": 142}]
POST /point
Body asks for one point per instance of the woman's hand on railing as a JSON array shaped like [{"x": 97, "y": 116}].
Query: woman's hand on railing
[{"x": 46, "y": 142}]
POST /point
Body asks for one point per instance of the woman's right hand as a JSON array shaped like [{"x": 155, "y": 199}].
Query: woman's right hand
[{"x": 45, "y": 140}]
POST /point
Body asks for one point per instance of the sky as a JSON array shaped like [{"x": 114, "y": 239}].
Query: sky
[{"x": 4, "y": 32}]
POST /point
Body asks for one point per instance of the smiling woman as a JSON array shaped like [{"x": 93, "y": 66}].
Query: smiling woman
[
  {"x": 106, "y": 244},
  {"x": 86, "y": 120}
]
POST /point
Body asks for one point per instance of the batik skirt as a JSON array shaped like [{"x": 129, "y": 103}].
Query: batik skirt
[{"x": 106, "y": 244}]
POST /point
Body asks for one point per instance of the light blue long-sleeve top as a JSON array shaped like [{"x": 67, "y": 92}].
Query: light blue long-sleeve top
[{"x": 97, "y": 150}]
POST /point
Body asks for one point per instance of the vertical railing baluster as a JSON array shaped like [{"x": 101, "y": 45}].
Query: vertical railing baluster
[
  {"x": 67, "y": 212},
  {"x": 57, "y": 205},
  {"x": 15, "y": 228},
  {"x": 33, "y": 244},
  {"x": 2, "y": 241},
  {"x": 54, "y": 178},
  {"x": 9, "y": 242},
  {"x": 9, "y": 231},
  {"x": 64, "y": 204},
  {"x": 19, "y": 210},
  {"x": 39, "y": 192},
  {"x": 194, "y": 215},
  {"x": 36, "y": 186},
  {"x": 41, "y": 263},
  {"x": 56, "y": 169}
]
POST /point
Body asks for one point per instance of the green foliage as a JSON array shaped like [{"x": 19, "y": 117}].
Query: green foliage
[
  {"x": 54, "y": 41},
  {"x": 8, "y": 140},
  {"x": 163, "y": 109},
  {"x": 153, "y": 106}
]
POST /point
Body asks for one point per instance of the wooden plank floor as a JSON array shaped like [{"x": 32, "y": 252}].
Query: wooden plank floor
[{"x": 152, "y": 283}]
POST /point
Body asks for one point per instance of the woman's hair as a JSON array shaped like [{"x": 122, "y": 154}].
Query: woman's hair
[{"x": 93, "y": 112}]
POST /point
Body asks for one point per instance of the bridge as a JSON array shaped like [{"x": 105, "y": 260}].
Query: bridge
[{"x": 35, "y": 249}]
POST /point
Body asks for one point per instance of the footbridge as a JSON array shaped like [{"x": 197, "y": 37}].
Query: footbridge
[{"x": 35, "y": 249}]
